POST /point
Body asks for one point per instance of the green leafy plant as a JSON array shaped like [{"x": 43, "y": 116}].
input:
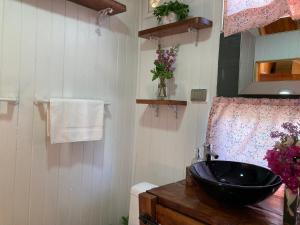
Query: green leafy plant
[
  {"x": 124, "y": 220},
  {"x": 180, "y": 9}
]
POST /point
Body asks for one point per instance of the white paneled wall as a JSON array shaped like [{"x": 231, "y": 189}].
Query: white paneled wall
[
  {"x": 49, "y": 48},
  {"x": 164, "y": 145}
]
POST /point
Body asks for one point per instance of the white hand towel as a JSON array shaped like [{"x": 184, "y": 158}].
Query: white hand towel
[{"x": 74, "y": 120}]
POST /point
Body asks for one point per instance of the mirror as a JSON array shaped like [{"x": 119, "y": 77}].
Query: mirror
[
  {"x": 152, "y": 4},
  {"x": 264, "y": 61},
  {"x": 278, "y": 70}
]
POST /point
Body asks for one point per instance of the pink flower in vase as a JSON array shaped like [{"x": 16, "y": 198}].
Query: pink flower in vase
[{"x": 284, "y": 158}]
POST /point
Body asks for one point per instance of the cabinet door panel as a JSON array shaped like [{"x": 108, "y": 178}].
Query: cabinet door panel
[{"x": 166, "y": 216}]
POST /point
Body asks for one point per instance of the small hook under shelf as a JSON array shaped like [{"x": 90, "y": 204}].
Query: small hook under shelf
[{"x": 102, "y": 16}]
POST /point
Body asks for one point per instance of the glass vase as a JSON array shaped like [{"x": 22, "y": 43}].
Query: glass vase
[
  {"x": 162, "y": 88},
  {"x": 290, "y": 207}
]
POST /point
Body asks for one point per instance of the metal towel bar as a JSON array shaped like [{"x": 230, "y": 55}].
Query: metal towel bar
[
  {"x": 9, "y": 100},
  {"x": 44, "y": 101}
]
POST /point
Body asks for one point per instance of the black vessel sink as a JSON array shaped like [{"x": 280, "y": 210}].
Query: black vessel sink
[{"x": 235, "y": 183}]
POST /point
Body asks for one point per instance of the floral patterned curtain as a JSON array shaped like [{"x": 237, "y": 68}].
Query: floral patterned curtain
[
  {"x": 294, "y": 9},
  {"x": 239, "y": 128},
  {"x": 241, "y": 15}
]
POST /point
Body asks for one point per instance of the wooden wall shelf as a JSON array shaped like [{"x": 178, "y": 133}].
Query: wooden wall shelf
[
  {"x": 282, "y": 25},
  {"x": 196, "y": 23},
  {"x": 161, "y": 102},
  {"x": 102, "y": 4},
  {"x": 155, "y": 103}
]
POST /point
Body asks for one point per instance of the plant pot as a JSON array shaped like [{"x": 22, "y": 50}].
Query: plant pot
[
  {"x": 162, "y": 89},
  {"x": 290, "y": 207},
  {"x": 170, "y": 18}
]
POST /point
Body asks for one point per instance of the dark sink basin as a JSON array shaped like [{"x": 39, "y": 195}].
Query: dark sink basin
[{"x": 235, "y": 183}]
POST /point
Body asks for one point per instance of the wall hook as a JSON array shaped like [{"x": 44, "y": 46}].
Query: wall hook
[{"x": 102, "y": 16}]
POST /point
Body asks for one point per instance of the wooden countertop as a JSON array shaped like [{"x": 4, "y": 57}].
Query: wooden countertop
[{"x": 192, "y": 201}]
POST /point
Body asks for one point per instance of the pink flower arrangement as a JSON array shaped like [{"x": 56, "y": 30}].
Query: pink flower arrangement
[{"x": 283, "y": 159}]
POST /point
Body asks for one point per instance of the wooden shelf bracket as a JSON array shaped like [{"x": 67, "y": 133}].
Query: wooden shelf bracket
[
  {"x": 156, "y": 103},
  {"x": 183, "y": 26},
  {"x": 113, "y": 6}
]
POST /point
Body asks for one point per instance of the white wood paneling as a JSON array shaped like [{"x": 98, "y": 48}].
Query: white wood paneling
[
  {"x": 49, "y": 48},
  {"x": 8, "y": 122},
  {"x": 164, "y": 145}
]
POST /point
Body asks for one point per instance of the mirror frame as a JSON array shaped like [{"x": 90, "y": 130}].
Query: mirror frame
[{"x": 229, "y": 69}]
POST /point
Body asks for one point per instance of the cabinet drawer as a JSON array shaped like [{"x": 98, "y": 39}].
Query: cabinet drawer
[{"x": 167, "y": 216}]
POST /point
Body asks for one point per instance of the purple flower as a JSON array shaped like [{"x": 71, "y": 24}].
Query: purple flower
[
  {"x": 277, "y": 134},
  {"x": 166, "y": 58},
  {"x": 291, "y": 128}
]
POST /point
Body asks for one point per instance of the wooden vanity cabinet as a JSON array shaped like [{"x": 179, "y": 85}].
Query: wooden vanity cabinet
[
  {"x": 163, "y": 215},
  {"x": 185, "y": 203}
]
